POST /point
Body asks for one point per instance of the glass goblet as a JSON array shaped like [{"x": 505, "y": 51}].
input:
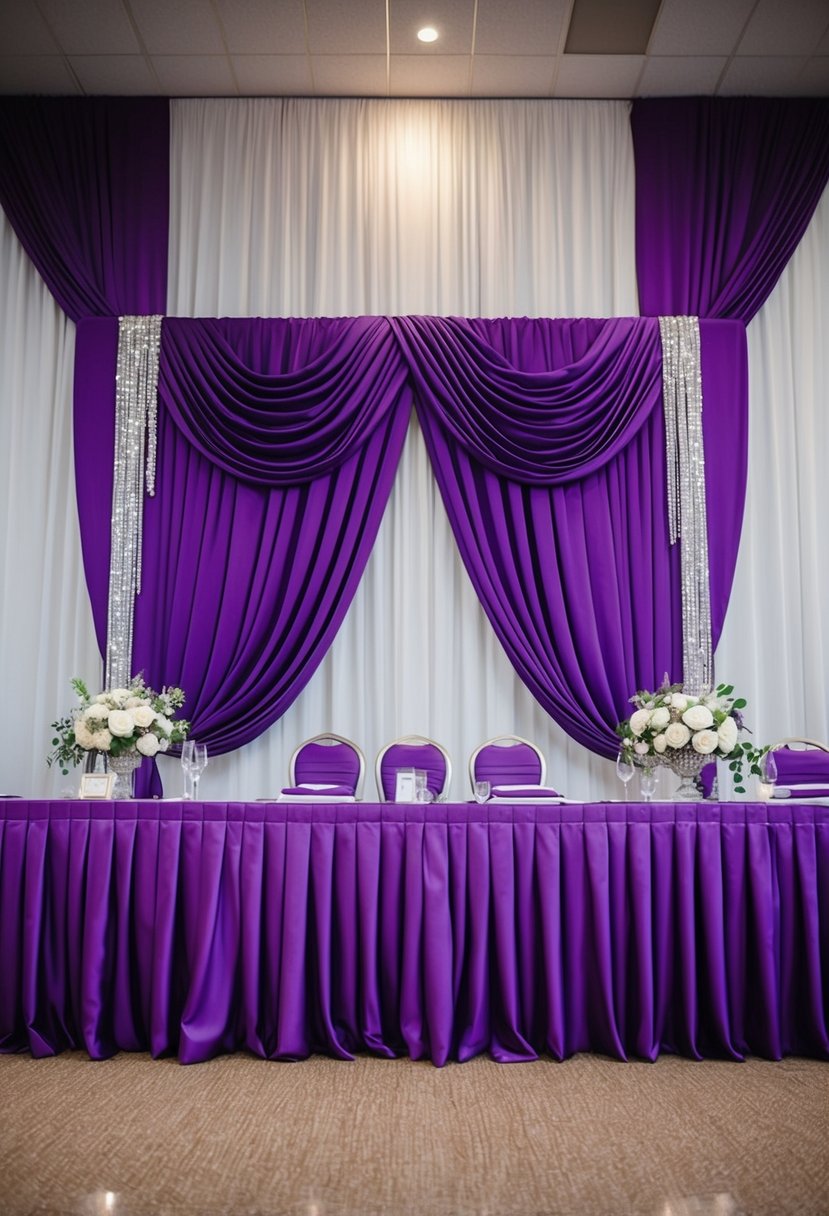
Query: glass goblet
[
  {"x": 198, "y": 764},
  {"x": 624, "y": 769},
  {"x": 186, "y": 767},
  {"x": 481, "y": 790},
  {"x": 648, "y": 779}
]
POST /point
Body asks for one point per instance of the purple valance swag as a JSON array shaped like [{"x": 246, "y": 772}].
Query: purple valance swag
[{"x": 278, "y": 441}]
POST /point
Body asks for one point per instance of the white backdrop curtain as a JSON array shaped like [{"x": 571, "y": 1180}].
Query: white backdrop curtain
[{"x": 291, "y": 207}]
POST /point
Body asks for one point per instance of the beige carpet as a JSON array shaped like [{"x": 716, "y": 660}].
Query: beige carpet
[{"x": 135, "y": 1136}]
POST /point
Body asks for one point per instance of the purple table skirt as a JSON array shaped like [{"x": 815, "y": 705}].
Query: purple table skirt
[{"x": 431, "y": 931}]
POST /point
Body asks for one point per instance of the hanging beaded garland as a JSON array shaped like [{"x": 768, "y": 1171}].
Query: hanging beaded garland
[
  {"x": 136, "y": 411},
  {"x": 687, "y": 518}
]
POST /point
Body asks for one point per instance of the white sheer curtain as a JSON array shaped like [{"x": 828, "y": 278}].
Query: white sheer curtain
[
  {"x": 46, "y": 633},
  {"x": 775, "y": 645},
  {"x": 347, "y": 207},
  {"x": 351, "y": 207}
]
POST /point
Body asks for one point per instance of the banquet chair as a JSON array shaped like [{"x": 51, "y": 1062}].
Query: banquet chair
[
  {"x": 511, "y": 765},
  {"x": 418, "y": 752},
  {"x": 328, "y": 759},
  {"x": 802, "y": 767}
]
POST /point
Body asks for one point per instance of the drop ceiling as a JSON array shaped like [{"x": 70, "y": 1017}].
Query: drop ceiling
[{"x": 369, "y": 48}]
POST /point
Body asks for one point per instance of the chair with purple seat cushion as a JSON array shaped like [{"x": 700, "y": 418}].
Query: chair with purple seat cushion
[
  {"x": 802, "y": 767},
  {"x": 508, "y": 760},
  {"x": 330, "y": 760},
  {"x": 418, "y": 752}
]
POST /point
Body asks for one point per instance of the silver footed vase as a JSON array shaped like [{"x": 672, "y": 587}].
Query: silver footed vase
[{"x": 124, "y": 767}]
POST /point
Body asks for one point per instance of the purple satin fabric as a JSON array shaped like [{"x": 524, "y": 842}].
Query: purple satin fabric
[
  {"x": 251, "y": 581},
  {"x": 85, "y": 184},
  {"x": 336, "y": 762},
  {"x": 413, "y": 755},
  {"x": 801, "y": 767},
  {"x": 725, "y": 189},
  {"x": 578, "y": 578},
  {"x": 508, "y": 765},
  {"x": 437, "y": 932}
]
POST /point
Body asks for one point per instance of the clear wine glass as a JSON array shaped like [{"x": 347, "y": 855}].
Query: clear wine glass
[
  {"x": 481, "y": 790},
  {"x": 186, "y": 766},
  {"x": 197, "y": 765},
  {"x": 624, "y": 769},
  {"x": 648, "y": 779},
  {"x": 768, "y": 775}
]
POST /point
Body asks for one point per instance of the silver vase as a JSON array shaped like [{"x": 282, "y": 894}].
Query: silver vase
[
  {"x": 687, "y": 764},
  {"x": 124, "y": 767}
]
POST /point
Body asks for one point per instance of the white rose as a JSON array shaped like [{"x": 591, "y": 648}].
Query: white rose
[
  {"x": 131, "y": 702},
  {"x": 101, "y": 698},
  {"x": 678, "y": 701},
  {"x": 677, "y": 734},
  {"x": 727, "y": 735},
  {"x": 659, "y": 744},
  {"x": 121, "y": 723},
  {"x": 660, "y": 717},
  {"x": 163, "y": 744},
  {"x": 120, "y": 694},
  {"x": 83, "y": 735},
  {"x": 698, "y": 717},
  {"x": 96, "y": 713},
  {"x": 641, "y": 748},
  {"x": 147, "y": 744},
  {"x": 639, "y": 721},
  {"x": 102, "y": 739},
  {"x": 142, "y": 715},
  {"x": 705, "y": 742},
  {"x": 164, "y": 725}
]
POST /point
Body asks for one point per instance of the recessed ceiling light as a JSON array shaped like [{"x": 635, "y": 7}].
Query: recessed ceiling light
[{"x": 428, "y": 34}]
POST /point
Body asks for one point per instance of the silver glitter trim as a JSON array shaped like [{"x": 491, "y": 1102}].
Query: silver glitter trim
[
  {"x": 136, "y": 406},
  {"x": 687, "y": 517}
]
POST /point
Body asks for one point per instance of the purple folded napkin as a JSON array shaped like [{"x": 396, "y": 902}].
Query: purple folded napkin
[
  {"x": 525, "y": 791},
  {"x": 328, "y": 791},
  {"x": 801, "y": 791}
]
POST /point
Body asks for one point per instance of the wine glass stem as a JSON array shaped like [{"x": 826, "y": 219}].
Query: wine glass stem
[{"x": 196, "y": 785}]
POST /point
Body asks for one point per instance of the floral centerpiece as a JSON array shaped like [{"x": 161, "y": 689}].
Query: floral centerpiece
[
  {"x": 685, "y": 733},
  {"x": 125, "y": 724}
]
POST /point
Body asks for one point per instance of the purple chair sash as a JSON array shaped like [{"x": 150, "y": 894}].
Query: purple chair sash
[
  {"x": 510, "y": 764},
  {"x": 425, "y": 756},
  {"x": 335, "y": 762}
]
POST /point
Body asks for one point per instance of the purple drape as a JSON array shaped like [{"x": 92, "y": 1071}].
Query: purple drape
[
  {"x": 725, "y": 188},
  {"x": 85, "y": 184},
  {"x": 245, "y": 583},
  {"x": 577, "y": 575},
  {"x": 437, "y": 932}
]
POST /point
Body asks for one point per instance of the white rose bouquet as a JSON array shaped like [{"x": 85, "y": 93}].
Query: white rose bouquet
[
  {"x": 669, "y": 719},
  {"x": 120, "y": 720}
]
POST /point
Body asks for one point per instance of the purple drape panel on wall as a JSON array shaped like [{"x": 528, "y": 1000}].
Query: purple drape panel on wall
[
  {"x": 85, "y": 184},
  {"x": 577, "y": 575},
  {"x": 725, "y": 188},
  {"x": 250, "y": 580},
  {"x": 437, "y": 932}
]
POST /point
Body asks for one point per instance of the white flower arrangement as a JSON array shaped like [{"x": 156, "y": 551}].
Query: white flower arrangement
[
  {"x": 117, "y": 721},
  {"x": 668, "y": 720}
]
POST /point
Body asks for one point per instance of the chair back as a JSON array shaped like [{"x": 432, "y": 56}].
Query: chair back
[
  {"x": 801, "y": 762},
  {"x": 329, "y": 759},
  {"x": 507, "y": 760},
  {"x": 414, "y": 751}
]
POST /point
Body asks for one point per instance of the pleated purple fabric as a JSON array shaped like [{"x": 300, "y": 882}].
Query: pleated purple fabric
[{"x": 437, "y": 932}]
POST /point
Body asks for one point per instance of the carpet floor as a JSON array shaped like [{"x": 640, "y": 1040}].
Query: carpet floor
[{"x": 134, "y": 1136}]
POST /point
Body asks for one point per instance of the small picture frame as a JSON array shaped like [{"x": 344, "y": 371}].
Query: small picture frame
[
  {"x": 405, "y": 785},
  {"x": 97, "y": 785}
]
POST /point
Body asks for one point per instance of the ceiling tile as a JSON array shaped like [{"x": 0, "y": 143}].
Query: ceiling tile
[
  {"x": 96, "y": 27},
  {"x": 430, "y": 76},
  {"x": 793, "y": 28},
  {"x": 681, "y": 75},
  {"x": 349, "y": 75},
  {"x": 259, "y": 27},
  {"x": 23, "y": 31},
  {"x": 702, "y": 27},
  {"x": 763, "y": 75},
  {"x": 598, "y": 75},
  {"x": 340, "y": 27},
  {"x": 178, "y": 27},
  {"x": 195, "y": 75},
  {"x": 814, "y": 81},
  {"x": 36, "y": 74},
  {"x": 513, "y": 75},
  {"x": 534, "y": 27},
  {"x": 272, "y": 75},
  {"x": 454, "y": 23},
  {"x": 117, "y": 75}
]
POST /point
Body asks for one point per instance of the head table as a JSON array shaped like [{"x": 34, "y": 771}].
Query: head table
[{"x": 435, "y": 931}]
